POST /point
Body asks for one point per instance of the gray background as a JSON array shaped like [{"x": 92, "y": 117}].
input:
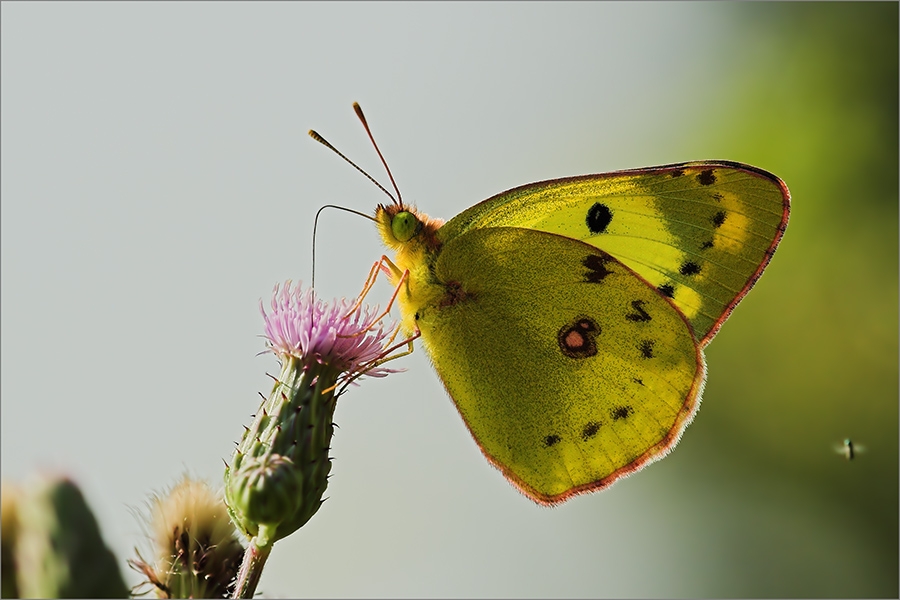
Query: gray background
[{"x": 158, "y": 181}]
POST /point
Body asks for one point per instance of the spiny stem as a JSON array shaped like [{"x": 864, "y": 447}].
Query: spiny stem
[{"x": 251, "y": 569}]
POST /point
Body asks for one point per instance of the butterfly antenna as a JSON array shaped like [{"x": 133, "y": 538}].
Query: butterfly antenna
[
  {"x": 362, "y": 117},
  {"x": 325, "y": 143},
  {"x": 316, "y": 225}
]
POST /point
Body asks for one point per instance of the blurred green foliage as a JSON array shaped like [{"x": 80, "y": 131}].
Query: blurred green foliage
[
  {"x": 811, "y": 356},
  {"x": 53, "y": 546}
]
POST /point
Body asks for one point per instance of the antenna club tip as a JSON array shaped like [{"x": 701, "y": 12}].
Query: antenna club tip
[
  {"x": 319, "y": 138},
  {"x": 359, "y": 114}
]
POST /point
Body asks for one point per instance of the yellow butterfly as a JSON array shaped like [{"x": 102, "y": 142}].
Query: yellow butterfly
[{"x": 567, "y": 318}]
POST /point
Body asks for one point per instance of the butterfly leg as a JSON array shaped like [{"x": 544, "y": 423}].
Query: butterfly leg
[
  {"x": 370, "y": 281},
  {"x": 383, "y": 265},
  {"x": 385, "y": 356},
  {"x": 388, "y": 354}
]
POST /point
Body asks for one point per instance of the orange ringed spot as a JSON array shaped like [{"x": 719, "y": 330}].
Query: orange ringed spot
[{"x": 577, "y": 340}]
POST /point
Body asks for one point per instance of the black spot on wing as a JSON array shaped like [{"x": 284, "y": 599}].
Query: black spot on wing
[
  {"x": 667, "y": 290},
  {"x": 676, "y": 173},
  {"x": 590, "y": 430},
  {"x": 706, "y": 245},
  {"x": 689, "y": 268},
  {"x": 646, "y": 347},
  {"x": 598, "y": 218},
  {"x": 596, "y": 265},
  {"x": 639, "y": 314},
  {"x": 718, "y": 219},
  {"x": 706, "y": 177},
  {"x": 620, "y": 412},
  {"x": 551, "y": 440},
  {"x": 718, "y": 197}
]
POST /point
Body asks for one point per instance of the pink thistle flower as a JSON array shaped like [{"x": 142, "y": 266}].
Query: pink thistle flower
[
  {"x": 280, "y": 469},
  {"x": 337, "y": 334}
]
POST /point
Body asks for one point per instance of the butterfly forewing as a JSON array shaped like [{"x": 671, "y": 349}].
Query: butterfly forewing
[{"x": 701, "y": 233}]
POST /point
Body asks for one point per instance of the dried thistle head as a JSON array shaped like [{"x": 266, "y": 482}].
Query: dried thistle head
[{"x": 196, "y": 551}]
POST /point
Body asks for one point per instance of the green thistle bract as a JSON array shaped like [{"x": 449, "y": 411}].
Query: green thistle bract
[{"x": 279, "y": 471}]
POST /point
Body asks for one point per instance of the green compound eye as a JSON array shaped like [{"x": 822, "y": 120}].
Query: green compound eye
[{"x": 404, "y": 226}]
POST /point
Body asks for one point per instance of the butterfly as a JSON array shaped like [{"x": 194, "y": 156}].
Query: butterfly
[{"x": 567, "y": 318}]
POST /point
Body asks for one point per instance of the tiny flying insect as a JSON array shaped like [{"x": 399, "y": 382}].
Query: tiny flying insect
[{"x": 849, "y": 449}]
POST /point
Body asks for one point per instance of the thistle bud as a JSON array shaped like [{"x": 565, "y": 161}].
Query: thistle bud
[{"x": 267, "y": 488}]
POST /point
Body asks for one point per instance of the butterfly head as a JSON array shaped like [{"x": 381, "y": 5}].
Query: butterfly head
[{"x": 402, "y": 228}]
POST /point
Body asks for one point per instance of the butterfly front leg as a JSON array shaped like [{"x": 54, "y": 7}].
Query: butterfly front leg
[
  {"x": 388, "y": 354},
  {"x": 384, "y": 265}
]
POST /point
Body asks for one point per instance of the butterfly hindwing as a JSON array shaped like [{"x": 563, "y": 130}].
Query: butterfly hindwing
[
  {"x": 700, "y": 232},
  {"x": 568, "y": 368}
]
